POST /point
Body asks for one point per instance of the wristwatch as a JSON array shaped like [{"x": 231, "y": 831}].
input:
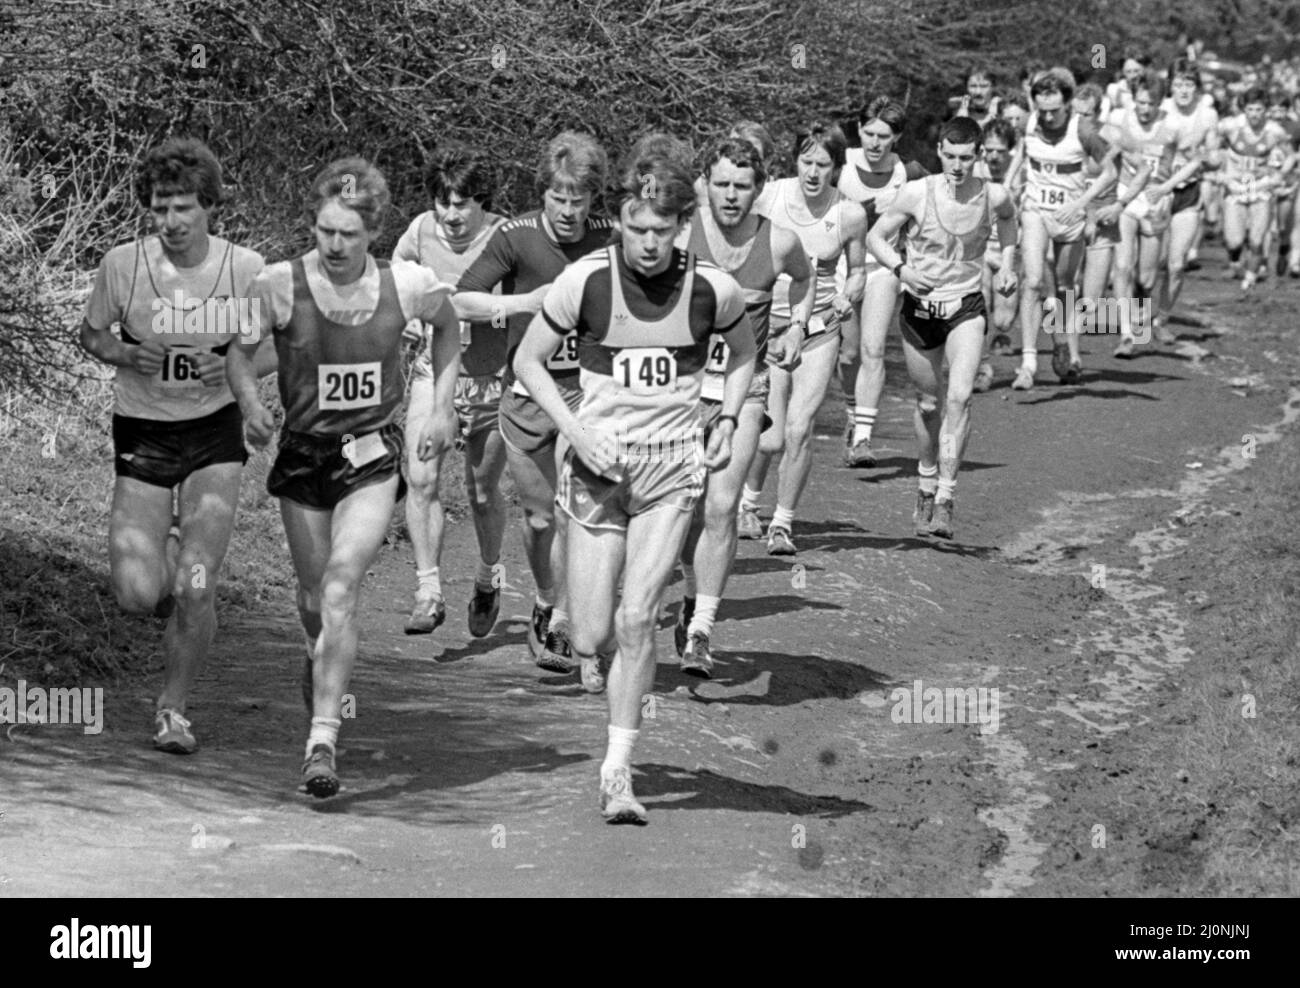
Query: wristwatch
[
  {"x": 897, "y": 269},
  {"x": 735, "y": 422}
]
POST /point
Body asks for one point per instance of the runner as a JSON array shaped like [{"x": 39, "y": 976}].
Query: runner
[
  {"x": 732, "y": 236},
  {"x": 175, "y": 296},
  {"x": 999, "y": 145},
  {"x": 1287, "y": 216},
  {"x": 1196, "y": 125},
  {"x": 1122, "y": 93},
  {"x": 828, "y": 224},
  {"x": 1248, "y": 202},
  {"x": 642, "y": 312},
  {"x": 948, "y": 218},
  {"x": 1014, "y": 109},
  {"x": 338, "y": 316},
  {"x": 1057, "y": 193},
  {"x": 446, "y": 239},
  {"x": 1101, "y": 224},
  {"x": 524, "y": 256},
  {"x": 1143, "y": 136},
  {"x": 757, "y": 135},
  {"x": 979, "y": 101},
  {"x": 872, "y": 176}
]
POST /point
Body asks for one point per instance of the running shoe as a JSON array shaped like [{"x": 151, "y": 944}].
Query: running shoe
[
  {"x": 697, "y": 657},
  {"x": 984, "y": 377},
  {"x": 595, "y": 671},
  {"x": 1248, "y": 281},
  {"x": 1162, "y": 333},
  {"x": 617, "y": 804},
  {"x": 1075, "y": 373},
  {"x": 1234, "y": 270},
  {"x": 1125, "y": 349},
  {"x": 748, "y": 526},
  {"x": 1060, "y": 359},
  {"x": 860, "y": 455},
  {"x": 1294, "y": 272},
  {"x": 318, "y": 773},
  {"x": 537, "y": 629},
  {"x": 1001, "y": 345},
  {"x": 483, "y": 609},
  {"x": 779, "y": 542},
  {"x": 1024, "y": 379},
  {"x": 173, "y": 735},
  {"x": 941, "y": 520},
  {"x": 427, "y": 613},
  {"x": 683, "y": 621},
  {"x": 1193, "y": 262},
  {"x": 557, "y": 656},
  {"x": 923, "y": 512}
]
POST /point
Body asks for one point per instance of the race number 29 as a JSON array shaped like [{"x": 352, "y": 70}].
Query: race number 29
[
  {"x": 645, "y": 370},
  {"x": 565, "y": 356},
  {"x": 345, "y": 386}
]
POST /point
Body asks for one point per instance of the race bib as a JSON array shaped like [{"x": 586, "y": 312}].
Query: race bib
[
  {"x": 178, "y": 371},
  {"x": 719, "y": 354},
  {"x": 565, "y": 356},
  {"x": 1051, "y": 198},
  {"x": 367, "y": 449},
  {"x": 345, "y": 386},
  {"x": 645, "y": 370},
  {"x": 931, "y": 308}
]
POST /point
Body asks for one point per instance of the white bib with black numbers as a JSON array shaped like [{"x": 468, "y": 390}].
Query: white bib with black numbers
[{"x": 341, "y": 387}]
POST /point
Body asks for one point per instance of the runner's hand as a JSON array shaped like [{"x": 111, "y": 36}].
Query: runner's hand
[
  {"x": 259, "y": 425},
  {"x": 1006, "y": 281},
  {"x": 842, "y": 306},
  {"x": 1109, "y": 214},
  {"x": 437, "y": 434},
  {"x": 211, "y": 368},
  {"x": 785, "y": 349},
  {"x": 914, "y": 283},
  {"x": 718, "y": 453},
  {"x": 596, "y": 449},
  {"x": 148, "y": 357}
]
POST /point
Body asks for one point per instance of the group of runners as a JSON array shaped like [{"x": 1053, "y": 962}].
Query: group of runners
[{"x": 637, "y": 372}]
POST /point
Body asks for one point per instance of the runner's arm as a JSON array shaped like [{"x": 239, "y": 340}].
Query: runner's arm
[
  {"x": 731, "y": 321},
  {"x": 438, "y": 431},
  {"x": 879, "y": 241},
  {"x": 855, "y": 229},
  {"x": 242, "y": 363},
  {"x": 474, "y": 299},
  {"x": 1004, "y": 213},
  {"x": 790, "y": 259}
]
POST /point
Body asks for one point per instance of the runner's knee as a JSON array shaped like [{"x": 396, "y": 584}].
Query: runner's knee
[
  {"x": 338, "y": 592},
  {"x": 633, "y": 623}
]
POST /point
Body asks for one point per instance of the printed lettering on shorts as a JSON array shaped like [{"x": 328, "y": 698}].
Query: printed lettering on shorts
[
  {"x": 565, "y": 357},
  {"x": 178, "y": 371},
  {"x": 341, "y": 387},
  {"x": 646, "y": 370}
]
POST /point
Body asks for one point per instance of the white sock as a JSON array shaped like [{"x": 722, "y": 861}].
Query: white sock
[
  {"x": 706, "y": 610},
  {"x": 927, "y": 478},
  {"x": 688, "y": 580},
  {"x": 486, "y": 573},
  {"x": 428, "y": 581},
  {"x": 324, "y": 730},
  {"x": 1029, "y": 358},
  {"x": 619, "y": 752},
  {"x": 749, "y": 499},
  {"x": 545, "y": 597},
  {"x": 864, "y": 420},
  {"x": 946, "y": 489},
  {"x": 783, "y": 518}
]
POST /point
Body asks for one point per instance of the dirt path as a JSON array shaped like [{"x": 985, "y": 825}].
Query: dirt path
[{"x": 469, "y": 771}]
